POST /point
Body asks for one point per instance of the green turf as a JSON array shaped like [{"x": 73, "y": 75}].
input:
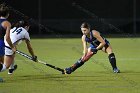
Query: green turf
[{"x": 94, "y": 77}]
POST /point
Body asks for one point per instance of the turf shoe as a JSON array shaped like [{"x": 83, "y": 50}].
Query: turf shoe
[
  {"x": 68, "y": 70},
  {"x": 12, "y": 70},
  {"x": 116, "y": 70}
]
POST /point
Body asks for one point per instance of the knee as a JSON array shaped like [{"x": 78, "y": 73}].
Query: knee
[
  {"x": 109, "y": 50},
  {"x": 87, "y": 57}
]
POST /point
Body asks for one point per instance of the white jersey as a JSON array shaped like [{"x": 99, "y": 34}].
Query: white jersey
[{"x": 17, "y": 35}]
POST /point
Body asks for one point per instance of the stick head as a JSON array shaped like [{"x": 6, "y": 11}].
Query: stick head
[
  {"x": 64, "y": 72},
  {"x": 34, "y": 58}
]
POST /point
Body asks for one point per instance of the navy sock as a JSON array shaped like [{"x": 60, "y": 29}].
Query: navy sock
[
  {"x": 112, "y": 60},
  {"x": 78, "y": 64}
]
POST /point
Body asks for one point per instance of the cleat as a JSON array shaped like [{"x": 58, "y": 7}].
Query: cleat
[
  {"x": 68, "y": 70},
  {"x": 116, "y": 70},
  {"x": 10, "y": 72}
]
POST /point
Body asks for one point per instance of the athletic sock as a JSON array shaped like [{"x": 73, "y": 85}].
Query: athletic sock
[
  {"x": 2, "y": 67},
  {"x": 78, "y": 64},
  {"x": 112, "y": 60}
]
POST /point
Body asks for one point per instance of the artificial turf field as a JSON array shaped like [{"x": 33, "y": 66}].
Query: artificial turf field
[{"x": 95, "y": 76}]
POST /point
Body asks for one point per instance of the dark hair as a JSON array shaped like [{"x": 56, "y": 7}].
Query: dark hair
[
  {"x": 4, "y": 10},
  {"x": 85, "y": 25},
  {"x": 21, "y": 23}
]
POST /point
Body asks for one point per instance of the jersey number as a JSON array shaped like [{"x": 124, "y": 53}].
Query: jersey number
[{"x": 17, "y": 31}]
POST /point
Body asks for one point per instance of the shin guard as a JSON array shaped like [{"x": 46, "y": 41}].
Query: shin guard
[
  {"x": 78, "y": 64},
  {"x": 112, "y": 60},
  {"x": 81, "y": 61}
]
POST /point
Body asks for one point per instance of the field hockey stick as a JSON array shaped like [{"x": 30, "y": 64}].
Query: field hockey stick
[{"x": 39, "y": 61}]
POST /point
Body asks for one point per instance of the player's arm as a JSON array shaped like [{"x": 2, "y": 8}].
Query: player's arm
[
  {"x": 85, "y": 50},
  {"x": 7, "y": 26},
  {"x": 30, "y": 49},
  {"x": 97, "y": 35}
]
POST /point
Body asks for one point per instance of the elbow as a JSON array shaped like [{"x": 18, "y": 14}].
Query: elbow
[{"x": 7, "y": 39}]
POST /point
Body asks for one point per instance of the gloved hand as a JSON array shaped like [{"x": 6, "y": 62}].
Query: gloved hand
[
  {"x": 34, "y": 58},
  {"x": 94, "y": 50}
]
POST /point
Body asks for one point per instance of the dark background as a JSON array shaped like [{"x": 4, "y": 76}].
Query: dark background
[{"x": 64, "y": 17}]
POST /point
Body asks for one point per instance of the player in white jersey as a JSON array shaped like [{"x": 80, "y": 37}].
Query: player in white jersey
[{"x": 17, "y": 34}]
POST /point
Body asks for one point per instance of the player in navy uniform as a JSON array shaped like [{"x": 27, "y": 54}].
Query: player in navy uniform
[
  {"x": 97, "y": 42},
  {"x": 5, "y": 27}
]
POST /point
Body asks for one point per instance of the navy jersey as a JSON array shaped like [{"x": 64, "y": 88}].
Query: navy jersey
[
  {"x": 2, "y": 34},
  {"x": 92, "y": 40},
  {"x": 2, "y": 30}
]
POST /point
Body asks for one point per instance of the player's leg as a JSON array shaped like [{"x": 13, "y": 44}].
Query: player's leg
[
  {"x": 111, "y": 57},
  {"x": 7, "y": 63},
  {"x": 8, "y": 59},
  {"x": 12, "y": 68},
  {"x": 1, "y": 59},
  {"x": 2, "y": 65},
  {"x": 80, "y": 62}
]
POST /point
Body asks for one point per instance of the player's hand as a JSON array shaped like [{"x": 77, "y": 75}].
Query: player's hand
[
  {"x": 94, "y": 50},
  {"x": 14, "y": 49},
  {"x": 84, "y": 55},
  {"x": 34, "y": 58}
]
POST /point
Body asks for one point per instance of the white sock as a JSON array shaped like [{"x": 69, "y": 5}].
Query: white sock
[{"x": 4, "y": 67}]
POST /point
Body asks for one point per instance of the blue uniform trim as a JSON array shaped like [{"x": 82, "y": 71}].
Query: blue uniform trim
[{"x": 94, "y": 42}]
